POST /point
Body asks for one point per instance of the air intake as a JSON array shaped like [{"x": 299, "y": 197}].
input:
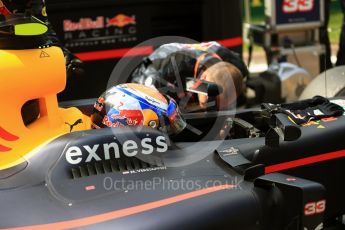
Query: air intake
[{"x": 113, "y": 166}]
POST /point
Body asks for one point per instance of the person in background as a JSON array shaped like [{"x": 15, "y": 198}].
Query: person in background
[
  {"x": 324, "y": 38},
  {"x": 341, "y": 51},
  {"x": 171, "y": 65}
]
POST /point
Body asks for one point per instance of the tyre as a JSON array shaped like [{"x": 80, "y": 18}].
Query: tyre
[{"x": 328, "y": 84}]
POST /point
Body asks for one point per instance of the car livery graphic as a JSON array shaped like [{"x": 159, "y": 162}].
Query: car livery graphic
[
  {"x": 123, "y": 118},
  {"x": 5, "y": 135},
  {"x": 121, "y": 20}
]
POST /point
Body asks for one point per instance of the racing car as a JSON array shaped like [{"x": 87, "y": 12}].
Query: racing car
[{"x": 58, "y": 173}]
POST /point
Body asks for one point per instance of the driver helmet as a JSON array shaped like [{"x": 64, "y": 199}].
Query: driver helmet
[{"x": 133, "y": 104}]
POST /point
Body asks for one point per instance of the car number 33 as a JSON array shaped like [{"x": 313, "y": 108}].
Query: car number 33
[
  {"x": 294, "y": 6},
  {"x": 314, "y": 208}
]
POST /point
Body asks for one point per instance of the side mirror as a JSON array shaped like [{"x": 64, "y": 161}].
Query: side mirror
[{"x": 281, "y": 129}]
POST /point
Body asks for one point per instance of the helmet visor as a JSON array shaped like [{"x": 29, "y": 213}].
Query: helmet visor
[{"x": 176, "y": 121}]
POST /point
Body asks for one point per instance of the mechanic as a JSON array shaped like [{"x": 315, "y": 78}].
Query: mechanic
[
  {"x": 169, "y": 67},
  {"x": 325, "y": 38},
  {"x": 37, "y": 8},
  {"x": 341, "y": 51}
]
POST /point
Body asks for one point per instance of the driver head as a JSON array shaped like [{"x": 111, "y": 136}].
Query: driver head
[
  {"x": 134, "y": 105},
  {"x": 226, "y": 76}
]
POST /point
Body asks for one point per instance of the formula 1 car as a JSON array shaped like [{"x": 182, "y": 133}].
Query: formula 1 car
[{"x": 57, "y": 173}]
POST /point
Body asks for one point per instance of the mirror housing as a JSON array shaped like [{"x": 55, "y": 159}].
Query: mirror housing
[{"x": 281, "y": 128}]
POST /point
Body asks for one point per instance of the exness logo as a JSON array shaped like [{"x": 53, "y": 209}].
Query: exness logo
[{"x": 130, "y": 148}]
